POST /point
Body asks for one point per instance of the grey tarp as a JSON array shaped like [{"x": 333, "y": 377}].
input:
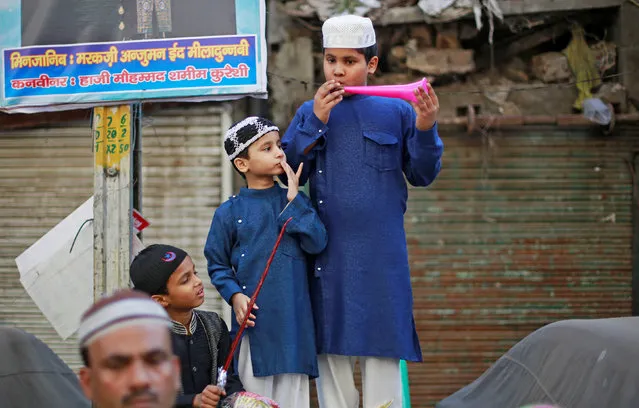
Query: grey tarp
[
  {"x": 571, "y": 363},
  {"x": 32, "y": 375}
]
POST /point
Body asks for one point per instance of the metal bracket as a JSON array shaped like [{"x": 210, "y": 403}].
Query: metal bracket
[
  {"x": 472, "y": 120},
  {"x": 111, "y": 171}
]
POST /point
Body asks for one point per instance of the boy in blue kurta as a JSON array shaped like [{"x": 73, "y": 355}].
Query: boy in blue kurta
[
  {"x": 278, "y": 354},
  {"x": 356, "y": 151}
]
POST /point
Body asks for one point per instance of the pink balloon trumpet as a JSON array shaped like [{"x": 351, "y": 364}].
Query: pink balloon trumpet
[{"x": 405, "y": 92}]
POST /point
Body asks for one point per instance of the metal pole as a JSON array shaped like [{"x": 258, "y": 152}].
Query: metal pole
[
  {"x": 405, "y": 385},
  {"x": 112, "y": 198},
  {"x": 136, "y": 141},
  {"x": 227, "y": 186}
]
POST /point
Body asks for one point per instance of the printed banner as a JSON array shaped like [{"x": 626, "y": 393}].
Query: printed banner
[{"x": 128, "y": 50}]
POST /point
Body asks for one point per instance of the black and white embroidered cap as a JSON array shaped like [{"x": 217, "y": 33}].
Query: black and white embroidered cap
[{"x": 244, "y": 133}]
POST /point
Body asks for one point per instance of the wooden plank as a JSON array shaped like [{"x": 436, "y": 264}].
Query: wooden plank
[
  {"x": 413, "y": 14},
  {"x": 516, "y": 7},
  {"x": 628, "y": 39},
  {"x": 401, "y": 15}
]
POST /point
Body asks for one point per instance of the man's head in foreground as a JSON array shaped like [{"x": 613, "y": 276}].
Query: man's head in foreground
[{"x": 125, "y": 343}]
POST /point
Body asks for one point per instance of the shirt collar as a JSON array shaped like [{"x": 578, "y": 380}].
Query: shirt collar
[{"x": 178, "y": 328}]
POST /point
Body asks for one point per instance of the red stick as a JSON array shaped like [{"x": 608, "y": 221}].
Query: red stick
[{"x": 227, "y": 364}]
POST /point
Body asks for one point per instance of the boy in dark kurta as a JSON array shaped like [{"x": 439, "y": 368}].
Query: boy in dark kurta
[
  {"x": 200, "y": 339},
  {"x": 277, "y": 354},
  {"x": 358, "y": 151}
]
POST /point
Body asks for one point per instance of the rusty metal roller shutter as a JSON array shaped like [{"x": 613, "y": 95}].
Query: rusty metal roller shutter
[
  {"x": 522, "y": 228},
  {"x": 45, "y": 174},
  {"x": 182, "y": 181}
]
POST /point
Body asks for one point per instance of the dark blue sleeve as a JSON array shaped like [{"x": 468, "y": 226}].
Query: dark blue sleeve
[
  {"x": 304, "y": 137},
  {"x": 184, "y": 400},
  {"x": 422, "y": 151},
  {"x": 305, "y": 224},
  {"x": 217, "y": 251}
]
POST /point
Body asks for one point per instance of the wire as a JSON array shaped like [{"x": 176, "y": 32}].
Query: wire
[{"x": 78, "y": 233}]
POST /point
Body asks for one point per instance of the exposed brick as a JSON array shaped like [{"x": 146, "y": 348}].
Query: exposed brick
[
  {"x": 434, "y": 61},
  {"x": 551, "y": 67}
]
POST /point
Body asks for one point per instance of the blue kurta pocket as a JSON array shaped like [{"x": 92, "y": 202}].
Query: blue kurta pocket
[
  {"x": 291, "y": 248},
  {"x": 381, "y": 150}
]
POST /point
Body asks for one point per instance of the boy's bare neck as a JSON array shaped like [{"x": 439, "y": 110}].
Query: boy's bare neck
[
  {"x": 259, "y": 182},
  {"x": 182, "y": 317}
]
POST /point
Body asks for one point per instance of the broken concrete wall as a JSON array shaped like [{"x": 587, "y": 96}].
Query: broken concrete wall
[{"x": 526, "y": 73}]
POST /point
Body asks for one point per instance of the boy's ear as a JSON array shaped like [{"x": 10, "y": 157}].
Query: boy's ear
[
  {"x": 372, "y": 65},
  {"x": 161, "y": 299},
  {"x": 241, "y": 164}
]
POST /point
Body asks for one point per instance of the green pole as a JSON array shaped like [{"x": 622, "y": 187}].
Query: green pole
[{"x": 403, "y": 368}]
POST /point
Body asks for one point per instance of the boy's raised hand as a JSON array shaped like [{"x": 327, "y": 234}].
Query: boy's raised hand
[
  {"x": 327, "y": 96},
  {"x": 209, "y": 398},
  {"x": 293, "y": 179},
  {"x": 240, "y": 306},
  {"x": 426, "y": 107}
]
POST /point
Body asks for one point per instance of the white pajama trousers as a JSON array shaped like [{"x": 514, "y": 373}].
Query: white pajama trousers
[
  {"x": 288, "y": 390},
  {"x": 381, "y": 382}
]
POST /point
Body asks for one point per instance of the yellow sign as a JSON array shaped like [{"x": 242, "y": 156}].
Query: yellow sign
[{"x": 112, "y": 135}]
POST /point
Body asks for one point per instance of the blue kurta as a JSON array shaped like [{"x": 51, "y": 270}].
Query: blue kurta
[
  {"x": 242, "y": 235},
  {"x": 361, "y": 291}
]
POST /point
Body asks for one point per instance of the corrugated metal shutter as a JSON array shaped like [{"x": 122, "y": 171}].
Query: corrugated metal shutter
[
  {"x": 45, "y": 174},
  {"x": 522, "y": 228},
  {"x": 182, "y": 180}
]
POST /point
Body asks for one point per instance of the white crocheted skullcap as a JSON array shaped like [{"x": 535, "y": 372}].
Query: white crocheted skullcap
[
  {"x": 122, "y": 309},
  {"x": 348, "y": 31},
  {"x": 244, "y": 133}
]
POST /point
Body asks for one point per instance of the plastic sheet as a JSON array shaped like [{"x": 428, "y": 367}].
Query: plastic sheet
[
  {"x": 246, "y": 399},
  {"x": 569, "y": 364},
  {"x": 597, "y": 111}
]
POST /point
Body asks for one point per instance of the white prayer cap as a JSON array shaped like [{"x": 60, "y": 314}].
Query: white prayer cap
[
  {"x": 123, "y": 308},
  {"x": 348, "y": 31}
]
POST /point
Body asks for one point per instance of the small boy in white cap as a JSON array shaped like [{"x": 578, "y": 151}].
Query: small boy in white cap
[
  {"x": 277, "y": 354},
  {"x": 357, "y": 152}
]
